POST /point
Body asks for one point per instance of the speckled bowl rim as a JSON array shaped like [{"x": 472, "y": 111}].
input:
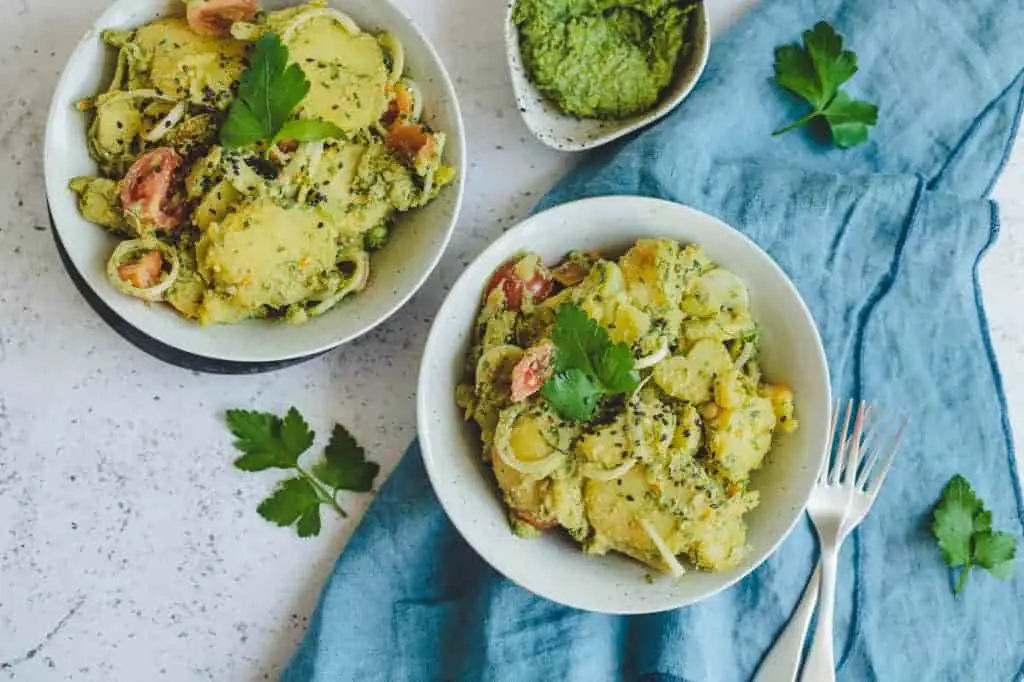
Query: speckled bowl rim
[{"x": 151, "y": 346}]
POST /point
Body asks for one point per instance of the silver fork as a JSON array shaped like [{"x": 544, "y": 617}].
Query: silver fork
[{"x": 847, "y": 487}]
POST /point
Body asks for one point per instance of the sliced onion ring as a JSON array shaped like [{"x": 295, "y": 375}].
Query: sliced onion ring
[
  {"x": 122, "y": 254},
  {"x": 596, "y": 473},
  {"x": 654, "y": 358},
  {"x": 636, "y": 431},
  {"x": 345, "y": 20},
  {"x": 538, "y": 468},
  {"x": 745, "y": 356},
  {"x": 397, "y": 50},
  {"x": 144, "y": 93},
  {"x": 360, "y": 278},
  {"x": 493, "y": 358},
  {"x": 162, "y": 126},
  {"x": 674, "y": 567}
]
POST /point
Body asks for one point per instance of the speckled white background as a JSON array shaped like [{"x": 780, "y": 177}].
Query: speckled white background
[{"x": 129, "y": 547}]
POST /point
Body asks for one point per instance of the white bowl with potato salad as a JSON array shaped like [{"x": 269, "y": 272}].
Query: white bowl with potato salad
[
  {"x": 239, "y": 184},
  {"x": 629, "y": 392}
]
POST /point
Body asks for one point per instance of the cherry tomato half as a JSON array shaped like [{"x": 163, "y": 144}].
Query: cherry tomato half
[
  {"x": 536, "y": 283},
  {"x": 145, "y": 190},
  {"x": 213, "y": 18}
]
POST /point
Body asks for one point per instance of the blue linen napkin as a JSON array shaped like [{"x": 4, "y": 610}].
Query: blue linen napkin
[{"x": 883, "y": 241}]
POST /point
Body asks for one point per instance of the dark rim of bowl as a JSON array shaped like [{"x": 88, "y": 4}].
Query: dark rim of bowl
[{"x": 154, "y": 347}]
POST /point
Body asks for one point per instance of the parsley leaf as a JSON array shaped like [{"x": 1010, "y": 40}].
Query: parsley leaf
[
  {"x": 588, "y": 365},
  {"x": 573, "y": 393},
  {"x": 295, "y": 500},
  {"x": 963, "y": 528},
  {"x": 267, "y": 441},
  {"x": 814, "y": 73},
  {"x": 269, "y": 91},
  {"x": 344, "y": 466},
  {"x": 308, "y": 130},
  {"x": 995, "y": 552}
]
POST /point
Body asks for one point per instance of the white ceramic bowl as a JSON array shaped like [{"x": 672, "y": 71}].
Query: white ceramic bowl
[
  {"x": 568, "y": 133},
  {"x": 418, "y": 240},
  {"x": 554, "y": 566}
]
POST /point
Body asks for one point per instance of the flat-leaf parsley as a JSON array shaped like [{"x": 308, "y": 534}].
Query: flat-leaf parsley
[
  {"x": 963, "y": 528},
  {"x": 268, "y": 93},
  {"x": 588, "y": 365},
  {"x": 814, "y": 72},
  {"x": 267, "y": 441}
]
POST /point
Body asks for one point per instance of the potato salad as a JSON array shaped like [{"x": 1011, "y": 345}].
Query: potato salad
[
  {"x": 622, "y": 400},
  {"x": 251, "y": 162}
]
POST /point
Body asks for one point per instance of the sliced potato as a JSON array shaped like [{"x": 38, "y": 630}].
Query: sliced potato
[
  {"x": 615, "y": 509},
  {"x": 653, "y": 275},
  {"x": 689, "y": 378},
  {"x": 740, "y": 438},
  {"x": 716, "y": 291},
  {"x": 525, "y": 495},
  {"x": 782, "y": 405},
  {"x": 608, "y": 446},
  {"x": 628, "y": 324}
]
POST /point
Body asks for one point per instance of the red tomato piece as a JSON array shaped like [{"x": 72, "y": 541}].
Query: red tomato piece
[
  {"x": 143, "y": 273},
  {"x": 410, "y": 140},
  {"x": 213, "y": 18},
  {"x": 532, "y": 371},
  {"x": 145, "y": 190},
  {"x": 401, "y": 106},
  {"x": 537, "y": 286}
]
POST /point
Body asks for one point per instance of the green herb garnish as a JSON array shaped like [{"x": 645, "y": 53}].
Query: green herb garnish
[
  {"x": 270, "y": 442},
  {"x": 588, "y": 366},
  {"x": 814, "y": 72},
  {"x": 963, "y": 528},
  {"x": 268, "y": 93}
]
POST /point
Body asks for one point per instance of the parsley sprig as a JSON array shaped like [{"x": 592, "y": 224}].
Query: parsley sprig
[
  {"x": 267, "y": 441},
  {"x": 269, "y": 91},
  {"x": 814, "y": 72},
  {"x": 588, "y": 366},
  {"x": 963, "y": 528}
]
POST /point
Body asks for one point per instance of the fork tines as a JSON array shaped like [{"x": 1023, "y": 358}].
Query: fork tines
[{"x": 862, "y": 456}]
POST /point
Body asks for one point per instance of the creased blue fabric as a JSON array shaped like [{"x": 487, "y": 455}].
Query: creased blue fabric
[{"x": 883, "y": 242}]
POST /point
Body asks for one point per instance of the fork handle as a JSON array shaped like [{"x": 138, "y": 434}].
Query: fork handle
[
  {"x": 820, "y": 666},
  {"x": 782, "y": 663}
]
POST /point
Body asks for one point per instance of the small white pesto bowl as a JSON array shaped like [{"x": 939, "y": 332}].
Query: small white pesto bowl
[
  {"x": 397, "y": 271},
  {"x": 554, "y": 566},
  {"x": 569, "y": 133}
]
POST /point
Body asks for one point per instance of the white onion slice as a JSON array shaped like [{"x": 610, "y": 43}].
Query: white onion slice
[
  {"x": 358, "y": 282},
  {"x": 596, "y": 473},
  {"x": 538, "y": 468},
  {"x": 345, "y": 20},
  {"x": 636, "y": 431},
  {"x": 745, "y": 355},
  {"x": 674, "y": 567},
  {"x": 134, "y": 246},
  {"x": 394, "y": 46},
  {"x": 162, "y": 126},
  {"x": 654, "y": 358},
  {"x": 640, "y": 450},
  {"x": 493, "y": 359},
  {"x": 144, "y": 93}
]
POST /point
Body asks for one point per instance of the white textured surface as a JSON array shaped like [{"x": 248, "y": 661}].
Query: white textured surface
[{"x": 129, "y": 547}]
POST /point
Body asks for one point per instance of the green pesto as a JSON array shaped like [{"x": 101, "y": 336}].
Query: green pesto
[{"x": 604, "y": 59}]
